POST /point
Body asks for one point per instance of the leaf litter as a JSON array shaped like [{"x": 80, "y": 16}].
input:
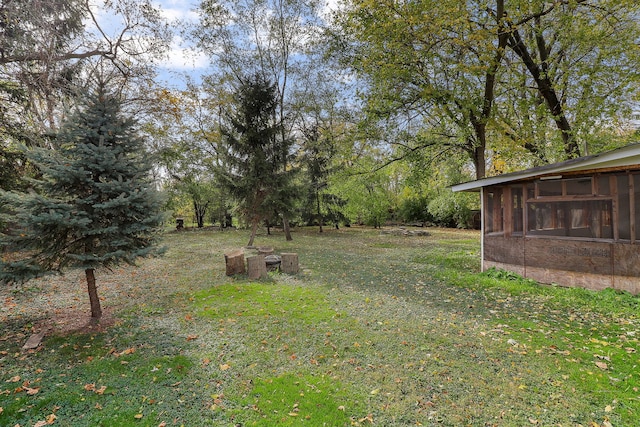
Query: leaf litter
[{"x": 432, "y": 352}]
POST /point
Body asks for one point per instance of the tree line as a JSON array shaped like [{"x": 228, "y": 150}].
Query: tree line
[{"x": 362, "y": 113}]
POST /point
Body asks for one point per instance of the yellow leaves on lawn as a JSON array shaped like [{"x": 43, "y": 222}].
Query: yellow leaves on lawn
[
  {"x": 368, "y": 418},
  {"x": 295, "y": 411}
]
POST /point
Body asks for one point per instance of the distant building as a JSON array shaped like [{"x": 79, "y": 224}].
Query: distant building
[
  {"x": 575, "y": 223},
  {"x": 635, "y": 120}
]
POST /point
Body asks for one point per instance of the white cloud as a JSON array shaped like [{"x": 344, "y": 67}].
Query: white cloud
[
  {"x": 181, "y": 57},
  {"x": 173, "y": 10},
  {"x": 329, "y": 7}
]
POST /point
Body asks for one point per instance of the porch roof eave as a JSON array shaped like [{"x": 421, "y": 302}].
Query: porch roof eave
[{"x": 628, "y": 155}]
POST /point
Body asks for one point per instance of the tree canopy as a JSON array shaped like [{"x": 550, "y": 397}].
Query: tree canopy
[
  {"x": 455, "y": 73},
  {"x": 364, "y": 97}
]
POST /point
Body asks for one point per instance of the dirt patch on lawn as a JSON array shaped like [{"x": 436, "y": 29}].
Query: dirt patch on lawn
[{"x": 65, "y": 322}]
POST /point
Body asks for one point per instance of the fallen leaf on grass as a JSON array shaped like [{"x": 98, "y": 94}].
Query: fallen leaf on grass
[
  {"x": 224, "y": 367},
  {"x": 13, "y": 379},
  {"x": 31, "y": 391},
  {"x": 92, "y": 387},
  {"x": 602, "y": 365},
  {"x": 192, "y": 337},
  {"x": 128, "y": 351},
  {"x": 47, "y": 422},
  {"x": 368, "y": 418},
  {"x": 138, "y": 416}
]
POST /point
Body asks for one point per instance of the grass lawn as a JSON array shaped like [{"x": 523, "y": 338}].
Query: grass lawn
[{"x": 376, "y": 329}]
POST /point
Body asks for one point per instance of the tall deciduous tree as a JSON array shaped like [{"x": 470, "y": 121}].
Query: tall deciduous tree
[
  {"x": 581, "y": 57},
  {"x": 442, "y": 67},
  {"x": 94, "y": 205},
  {"x": 423, "y": 69},
  {"x": 317, "y": 159},
  {"x": 186, "y": 133},
  {"x": 46, "y": 46}
]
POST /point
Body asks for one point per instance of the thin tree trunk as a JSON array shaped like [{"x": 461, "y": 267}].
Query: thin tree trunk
[
  {"x": 286, "y": 228},
  {"x": 96, "y": 310},
  {"x": 318, "y": 210},
  {"x": 254, "y": 230}
]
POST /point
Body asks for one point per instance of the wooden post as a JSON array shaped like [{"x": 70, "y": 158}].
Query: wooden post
[
  {"x": 256, "y": 267},
  {"x": 235, "y": 262},
  {"x": 289, "y": 263}
]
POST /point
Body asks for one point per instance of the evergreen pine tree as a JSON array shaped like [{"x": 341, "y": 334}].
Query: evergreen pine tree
[
  {"x": 93, "y": 206},
  {"x": 255, "y": 163}
]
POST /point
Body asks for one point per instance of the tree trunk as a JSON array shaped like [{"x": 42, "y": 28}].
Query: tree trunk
[
  {"x": 289, "y": 263},
  {"x": 478, "y": 155},
  {"x": 287, "y": 229},
  {"x": 318, "y": 210},
  {"x": 254, "y": 230},
  {"x": 200, "y": 211},
  {"x": 256, "y": 267},
  {"x": 96, "y": 310}
]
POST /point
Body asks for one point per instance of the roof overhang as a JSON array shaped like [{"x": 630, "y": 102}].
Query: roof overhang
[{"x": 626, "y": 156}]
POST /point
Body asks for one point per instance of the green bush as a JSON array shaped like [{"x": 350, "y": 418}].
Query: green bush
[
  {"x": 415, "y": 209},
  {"x": 452, "y": 210}
]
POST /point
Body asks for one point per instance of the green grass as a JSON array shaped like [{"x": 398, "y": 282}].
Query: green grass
[
  {"x": 376, "y": 329},
  {"x": 288, "y": 303},
  {"x": 94, "y": 380}
]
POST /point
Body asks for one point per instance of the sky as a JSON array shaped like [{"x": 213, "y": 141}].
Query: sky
[{"x": 180, "y": 59}]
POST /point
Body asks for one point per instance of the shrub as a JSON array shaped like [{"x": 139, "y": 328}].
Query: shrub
[
  {"x": 450, "y": 209},
  {"x": 415, "y": 209}
]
